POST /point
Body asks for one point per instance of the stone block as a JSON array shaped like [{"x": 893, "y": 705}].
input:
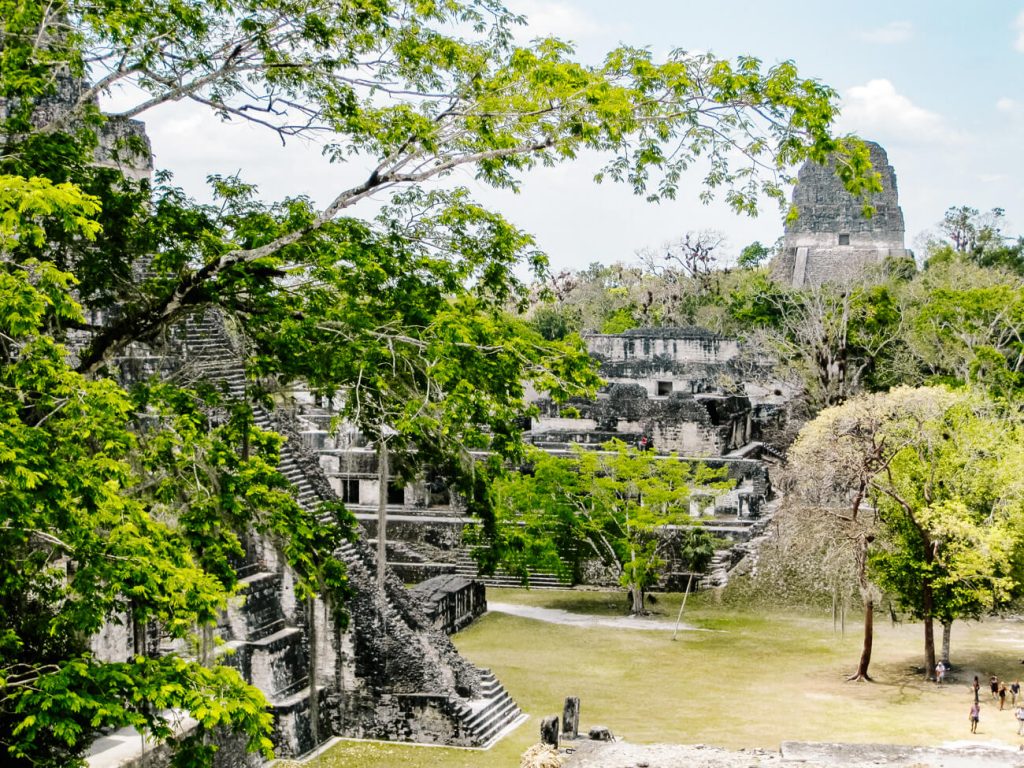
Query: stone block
[
  {"x": 571, "y": 717},
  {"x": 549, "y": 731}
]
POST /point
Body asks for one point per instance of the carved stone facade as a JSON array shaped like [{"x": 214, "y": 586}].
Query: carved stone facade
[
  {"x": 671, "y": 386},
  {"x": 678, "y": 387},
  {"x": 832, "y": 240}
]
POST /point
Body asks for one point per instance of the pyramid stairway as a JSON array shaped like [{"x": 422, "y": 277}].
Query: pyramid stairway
[{"x": 267, "y": 646}]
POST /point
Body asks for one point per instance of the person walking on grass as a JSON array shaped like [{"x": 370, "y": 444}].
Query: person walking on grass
[
  {"x": 1020, "y": 721},
  {"x": 1002, "y": 696},
  {"x": 1014, "y": 691},
  {"x": 975, "y": 716},
  {"x": 976, "y": 687},
  {"x": 993, "y": 684},
  {"x": 940, "y": 673}
]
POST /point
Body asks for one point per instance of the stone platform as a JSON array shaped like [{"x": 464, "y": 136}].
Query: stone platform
[{"x": 596, "y": 754}]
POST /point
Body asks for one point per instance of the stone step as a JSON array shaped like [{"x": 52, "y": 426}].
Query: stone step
[
  {"x": 466, "y": 566},
  {"x": 278, "y": 662},
  {"x": 256, "y": 613},
  {"x": 492, "y": 716},
  {"x": 495, "y": 709}
]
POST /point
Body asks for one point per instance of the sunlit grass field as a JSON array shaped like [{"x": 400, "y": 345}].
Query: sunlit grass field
[{"x": 739, "y": 679}]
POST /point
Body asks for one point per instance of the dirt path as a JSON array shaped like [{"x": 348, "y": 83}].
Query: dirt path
[{"x": 558, "y": 616}]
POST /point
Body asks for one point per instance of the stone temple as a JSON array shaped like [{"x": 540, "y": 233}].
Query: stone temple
[{"x": 832, "y": 240}]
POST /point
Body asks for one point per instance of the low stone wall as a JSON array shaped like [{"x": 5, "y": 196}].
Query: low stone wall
[
  {"x": 694, "y": 424},
  {"x": 419, "y": 718}
]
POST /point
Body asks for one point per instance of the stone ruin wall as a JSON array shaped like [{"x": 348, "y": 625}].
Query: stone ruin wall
[
  {"x": 678, "y": 423},
  {"x": 664, "y": 383},
  {"x": 677, "y": 345}
]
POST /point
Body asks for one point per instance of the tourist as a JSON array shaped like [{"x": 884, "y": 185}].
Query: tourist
[
  {"x": 1002, "y": 696},
  {"x": 1020, "y": 721},
  {"x": 940, "y": 673},
  {"x": 975, "y": 716},
  {"x": 993, "y": 683},
  {"x": 977, "y": 687},
  {"x": 1014, "y": 691}
]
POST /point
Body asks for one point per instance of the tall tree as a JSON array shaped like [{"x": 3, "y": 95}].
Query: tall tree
[
  {"x": 951, "y": 505},
  {"x": 832, "y": 467},
  {"x": 833, "y": 338},
  {"x": 623, "y": 507},
  {"x": 937, "y": 469},
  {"x": 85, "y": 534}
]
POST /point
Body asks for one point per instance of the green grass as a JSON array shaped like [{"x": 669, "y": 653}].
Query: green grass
[{"x": 744, "y": 680}]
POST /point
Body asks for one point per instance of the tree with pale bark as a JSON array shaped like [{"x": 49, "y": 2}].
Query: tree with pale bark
[{"x": 924, "y": 484}]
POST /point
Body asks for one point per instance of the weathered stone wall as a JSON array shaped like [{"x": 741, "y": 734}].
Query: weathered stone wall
[
  {"x": 700, "y": 425},
  {"x": 672, "y": 346},
  {"x": 451, "y": 602},
  {"x": 122, "y": 143}
]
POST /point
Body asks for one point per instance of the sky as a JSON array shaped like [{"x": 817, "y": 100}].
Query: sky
[{"x": 940, "y": 85}]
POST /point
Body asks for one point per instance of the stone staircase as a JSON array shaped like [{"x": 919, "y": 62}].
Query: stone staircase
[
  {"x": 272, "y": 647},
  {"x": 269, "y": 648},
  {"x": 494, "y": 713},
  {"x": 467, "y": 566}
]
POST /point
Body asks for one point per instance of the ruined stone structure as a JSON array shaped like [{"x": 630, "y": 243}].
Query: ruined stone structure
[
  {"x": 676, "y": 386},
  {"x": 393, "y": 674},
  {"x": 666, "y": 384},
  {"x": 832, "y": 240},
  {"x": 122, "y": 143}
]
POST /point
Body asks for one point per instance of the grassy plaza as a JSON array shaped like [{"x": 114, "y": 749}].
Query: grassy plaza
[{"x": 736, "y": 679}]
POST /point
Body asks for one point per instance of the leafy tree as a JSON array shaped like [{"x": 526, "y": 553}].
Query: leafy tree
[
  {"x": 754, "y": 255},
  {"x": 934, "y": 470},
  {"x": 618, "y": 505},
  {"x": 835, "y": 339},
  {"x": 969, "y": 233},
  {"x": 964, "y": 324},
  {"x": 84, "y": 538},
  {"x": 831, "y": 470},
  {"x": 554, "y": 323},
  {"x": 952, "y": 510}
]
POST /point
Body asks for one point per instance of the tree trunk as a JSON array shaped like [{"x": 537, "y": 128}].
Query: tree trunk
[
  {"x": 869, "y": 612},
  {"x": 382, "y": 513},
  {"x": 927, "y": 608},
  {"x": 947, "y": 629},
  {"x": 636, "y": 600},
  {"x": 835, "y": 608},
  {"x": 139, "y": 627},
  {"x": 869, "y": 638},
  {"x": 314, "y": 693}
]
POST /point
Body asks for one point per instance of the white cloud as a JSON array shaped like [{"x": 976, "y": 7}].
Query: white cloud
[
  {"x": 1010, "y": 107},
  {"x": 556, "y": 19},
  {"x": 1018, "y": 25},
  {"x": 889, "y": 34},
  {"x": 878, "y": 111}
]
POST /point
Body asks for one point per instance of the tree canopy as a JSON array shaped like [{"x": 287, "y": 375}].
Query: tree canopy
[{"x": 935, "y": 473}]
